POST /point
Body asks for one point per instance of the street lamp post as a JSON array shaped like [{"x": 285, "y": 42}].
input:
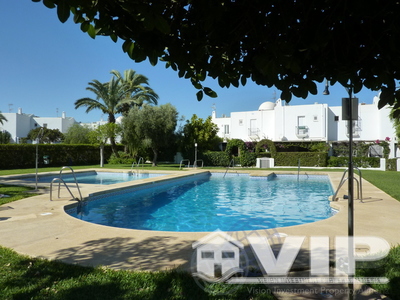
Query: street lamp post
[
  {"x": 37, "y": 157},
  {"x": 350, "y": 114},
  {"x": 195, "y": 154}
]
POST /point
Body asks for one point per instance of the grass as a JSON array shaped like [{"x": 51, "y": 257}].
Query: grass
[
  {"x": 386, "y": 181},
  {"x": 23, "y": 277},
  {"x": 388, "y": 267},
  {"x": 14, "y": 193}
]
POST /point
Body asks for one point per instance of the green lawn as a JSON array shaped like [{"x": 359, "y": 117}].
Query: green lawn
[{"x": 22, "y": 277}]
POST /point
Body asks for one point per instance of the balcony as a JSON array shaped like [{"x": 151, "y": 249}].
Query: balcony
[
  {"x": 302, "y": 131},
  {"x": 254, "y": 132}
]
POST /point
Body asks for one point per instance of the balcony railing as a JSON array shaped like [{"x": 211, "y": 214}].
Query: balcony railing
[
  {"x": 254, "y": 131},
  {"x": 302, "y": 131}
]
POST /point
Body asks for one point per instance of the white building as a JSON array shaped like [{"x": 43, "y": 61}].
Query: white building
[
  {"x": 312, "y": 122},
  {"x": 19, "y": 124}
]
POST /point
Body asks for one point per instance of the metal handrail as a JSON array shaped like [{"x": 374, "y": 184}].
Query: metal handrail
[
  {"x": 195, "y": 163},
  {"x": 180, "y": 165},
  {"x": 359, "y": 184},
  {"x": 232, "y": 162},
  {"x": 60, "y": 180},
  {"x": 138, "y": 165},
  {"x": 76, "y": 181}
]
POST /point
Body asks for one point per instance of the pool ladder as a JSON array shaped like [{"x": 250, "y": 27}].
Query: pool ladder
[
  {"x": 182, "y": 161},
  {"x": 359, "y": 185},
  {"x": 232, "y": 162},
  {"x": 137, "y": 166},
  {"x": 59, "y": 179}
]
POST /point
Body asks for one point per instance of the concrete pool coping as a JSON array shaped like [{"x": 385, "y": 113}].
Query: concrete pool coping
[{"x": 38, "y": 227}]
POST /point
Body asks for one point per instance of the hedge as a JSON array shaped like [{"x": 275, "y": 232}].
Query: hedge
[
  {"x": 307, "y": 159},
  {"x": 216, "y": 158},
  {"x": 360, "y": 162},
  {"x": 391, "y": 164},
  {"x": 19, "y": 156}
]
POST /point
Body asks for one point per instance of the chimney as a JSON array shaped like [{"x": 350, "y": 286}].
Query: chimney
[
  {"x": 19, "y": 110},
  {"x": 63, "y": 115}
]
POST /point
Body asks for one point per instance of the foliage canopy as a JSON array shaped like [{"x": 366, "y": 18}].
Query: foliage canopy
[
  {"x": 151, "y": 126},
  {"x": 287, "y": 44}
]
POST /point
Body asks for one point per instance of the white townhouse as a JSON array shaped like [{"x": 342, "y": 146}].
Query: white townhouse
[
  {"x": 19, "y": 124},
  {"x": 278, "y": 121}
]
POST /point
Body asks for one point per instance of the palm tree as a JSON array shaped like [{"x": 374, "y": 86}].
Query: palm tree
[
  {"x": 137, "y": 86},
  {"x": 110, "y": 98},
  {"x": 2, "y": 118}
]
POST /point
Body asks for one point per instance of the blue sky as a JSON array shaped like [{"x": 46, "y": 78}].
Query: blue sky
[{"x": 46, "y": 66}]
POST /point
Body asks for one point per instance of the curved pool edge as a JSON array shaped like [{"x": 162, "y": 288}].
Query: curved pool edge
[{"x": 38, "y": 227}]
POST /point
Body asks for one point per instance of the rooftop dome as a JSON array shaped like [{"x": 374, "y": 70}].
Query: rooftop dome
[{"x": 267, "y": 106}]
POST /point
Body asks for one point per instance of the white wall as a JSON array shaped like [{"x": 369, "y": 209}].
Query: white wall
[{"x": 19, "y": 124}]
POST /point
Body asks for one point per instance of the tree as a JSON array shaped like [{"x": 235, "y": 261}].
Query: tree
[
  {"x": 152, "y": 125},
  {"x": 47, "y": 136},
  {"x": 5, "y": 137},
  {"x": 137, "y": 88},
  {"x": 77, "y": 134},
  {"x": 110, "y": 98},
  {"x": 101, "y": 134},
  {"x": 117, "y": 96},
  {"x": 287, "y": 44},
  {"x": 200, "y": 131},
  {"x": 2, "y": 118}
]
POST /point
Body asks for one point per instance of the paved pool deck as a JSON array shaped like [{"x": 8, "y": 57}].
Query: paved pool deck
[{"x": 39, "y": 227}]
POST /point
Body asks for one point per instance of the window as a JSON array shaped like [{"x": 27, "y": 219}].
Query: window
[
  {"x": 226, "y": 129},
  {"x": 315, "y": 118},
  {"x": 336, "y": 118},
  {"x": 241, "y": 122},
  {"x": 228, "y": 254},
  {"x": 45, "y": 125},
  {"x": 207, "y": 254}
]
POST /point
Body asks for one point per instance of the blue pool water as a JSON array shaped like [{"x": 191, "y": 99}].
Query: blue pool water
[
  {"x": 103, "y": 178},
  {"x": 230, "y": 204}
]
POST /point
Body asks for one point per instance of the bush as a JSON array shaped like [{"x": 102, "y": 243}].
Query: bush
[
  {"x": 391, "y": 164},
  {"x": 124, "y": 158},
  {"x": 15, "y": 156},
  {"x": 307, "y": 159},
  {"x": 216, "y": 158},
  {"x": 360, "y": 162},
  {"x": 248, "y": 159}
]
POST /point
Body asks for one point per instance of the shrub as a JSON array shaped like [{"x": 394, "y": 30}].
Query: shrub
[
  {"x": 14, "y": 156},
  {"x": 248, "y": 159},
  {"x": 216, "y": 158},
  {"x": 124, "y": 158},
  {"x": 264, "y": 145},
  {"x": 308, "y": 159},
  {"x": 360, "y": 162}
]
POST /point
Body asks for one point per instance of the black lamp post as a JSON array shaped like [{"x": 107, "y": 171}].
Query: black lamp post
[{"x": 349, "y": 114}]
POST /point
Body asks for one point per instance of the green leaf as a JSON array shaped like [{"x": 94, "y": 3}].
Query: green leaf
[
  {"x": 286, "y": 95},
  {"x": 48, "y": 3},
  {"x": 210, "y": 93},
  {"x": 85, "y": 26},
  {"x": 243, "y": 80},
  {"x": 199, "y": 95},
  {"x": 153, "y": 58},
  {"x": 63, "y": 11},
  {"x": 114, "y": 37},
  {"x": 91, "y": 31},
  {"x": 196, "y": 84},
  {"x": 162, "y": 25}
]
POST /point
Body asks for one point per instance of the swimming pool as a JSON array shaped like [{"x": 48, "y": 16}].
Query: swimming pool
[
  {"x": 213, "y": 202},
  {"x": 103, "y": 178}
]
